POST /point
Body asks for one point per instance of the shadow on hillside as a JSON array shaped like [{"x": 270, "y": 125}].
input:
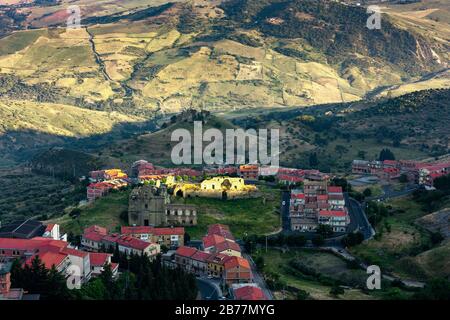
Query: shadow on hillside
[{"x": 22, "y": 146}]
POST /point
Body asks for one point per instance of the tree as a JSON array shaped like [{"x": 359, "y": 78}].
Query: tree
[
  {"x": 336, "y": 290},
  {"x": 37, "y": 279},
  {"x": 108, "y": 282},
  {"x": 318, "y": 240},
  {"x": 325, "y": 230},
  {"x": 367, "y": 192},
  {"x": 313, "y": 161},
  {"x": 403, "y": 178},
  {"x": 340, "y": 149},
  {"x": 442, "y": 183},
  {"x": 386, "y": 154},
  {"x": 436, "y": 289},
  {"x": 352, "y": 239},
  {"x": 302, "y": 295},
  {"x": 259, "y": 261}
]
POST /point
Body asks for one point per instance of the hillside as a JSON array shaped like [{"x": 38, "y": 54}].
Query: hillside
[{"x": 153, "y": 56}]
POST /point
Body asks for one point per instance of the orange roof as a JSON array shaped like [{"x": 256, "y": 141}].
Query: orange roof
[
  {"x": 186, "y": 251},
  {"x": 201, "y": 256},
  {"x": 249, "y": 293},
  {"x": 50, "y": 259},
  {"x": 228, "y": 245},
  {"x": 74, "y": 252},
  {"x": 168, "y": 231},
  {"x": 234, "y": 262},
  {"x": 97, "y": 229},
  {"x": 136, "y": 230},
  {"x": 326, "y": 213},
  {"x": 212, "y": 240},
  {"x": 221, "y": 230},
  {"x": 332, "y": 189},
  {"x": 134, "y": 243},
  {"x": 99, "y": 259}
]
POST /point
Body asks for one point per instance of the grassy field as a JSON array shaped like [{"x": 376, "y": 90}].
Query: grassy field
[
  {"x": 251, "y": 216},
  {"x": 246, "y": 215},
  {"x": 394, "y": 250},
  {"x": 105, "y": 212},
  {"x": 324, "y": 263}
]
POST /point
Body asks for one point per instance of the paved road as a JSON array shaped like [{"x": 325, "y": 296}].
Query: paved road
[
  {"x": 358, "y": 218},
  {"x": 209, "y": 289},
  {"x": 258, "y": 279},
  {"x": 388, "y": 193}
]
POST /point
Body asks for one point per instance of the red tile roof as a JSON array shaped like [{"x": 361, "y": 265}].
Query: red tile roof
[
  {"x": 93, "y": 236},
  {"x": 212, "y": 240},
  {"x": 50, "y": 259},
  {"x": 221, "y": 230},
  {"x": 201, "y": 256},
  {"x": 218, "y": 258},
  {"x": 249, "y": 293},
  {"x": 390, "y": 162},
  {"x": 298, "y": 196},
  {"x": 234, "y": 262},
  {"x": 332, "y": 213},
  {"x": 152, "y": 230},
  {"x": 131, "y": 242},
  {"x": 186, "y": 251},
  {"x": 168, "y": 231},
  {"x": 97, "y": 229},
  {"x": 228, "y": 245},
  {"x": 136, "y": 230},
  {"x": 74, "y": 252},
  {"x": 336, "y": 197},
  {"x": 332, "y": 189},
  {"x": 99, "y": 259}
]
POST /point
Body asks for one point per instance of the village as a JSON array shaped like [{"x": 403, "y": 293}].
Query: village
[{"x": 311, "y": 203}]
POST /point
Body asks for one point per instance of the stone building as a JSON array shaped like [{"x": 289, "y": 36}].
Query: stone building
[
  {"x": 150, "y": 206},
  {"x": 225, "y": 188}
]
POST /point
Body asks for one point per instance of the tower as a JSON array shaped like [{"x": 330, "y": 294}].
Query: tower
[{"x": 147, "y": 206}]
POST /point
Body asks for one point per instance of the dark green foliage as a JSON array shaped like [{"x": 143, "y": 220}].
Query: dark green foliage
[
  {"x": 436, "y": 289},
  {"x": 376, "y": 212},
  {"x": 154, "y": 281},
  {"x": 302, "y": 295},
  {"x": 318, "y": 240},
  {"x": 341, "y": 182},
  {"x": 336, "y": 291},
  {"x": 36, "y": 279},
  {"x": 367, "y": 192},
  {"x": 443, "y": 184},
  {"x": 352, "y": 239},
  {"x": 313, "y": 160},
  {"x": 325, "y": 230},
  {"x": 386, "y": 154}
]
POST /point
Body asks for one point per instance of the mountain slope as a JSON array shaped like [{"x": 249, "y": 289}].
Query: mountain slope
[{"x": 221, "y": 56}]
